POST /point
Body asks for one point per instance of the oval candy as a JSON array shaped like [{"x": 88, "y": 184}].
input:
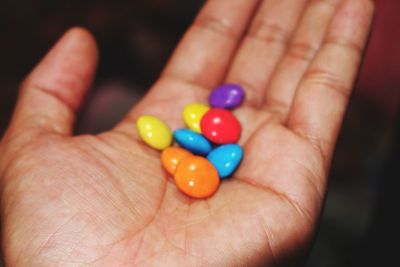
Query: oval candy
[
  {"x": 171, "y": 156},
  {"x": 226, "y": 159},
  {"x": 192, "y": 115},
  {"x": 226, "y": 96},
  {"x": 192, "y": 141},
  {"x": 196, "y": 177},
  {"x": 154, "y": 132},
  {"x": 221, "y": 126}
]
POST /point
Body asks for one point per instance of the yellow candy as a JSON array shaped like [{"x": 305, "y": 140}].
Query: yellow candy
[
  {"x": 192, "y": 115},
  {"x": 154, "y": 132}
]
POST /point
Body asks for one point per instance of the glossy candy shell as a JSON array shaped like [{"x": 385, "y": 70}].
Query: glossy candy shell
[
  {"x": 154, "y": 132},
  {"x": 192, "y": 141},
  {"x": 196, "y": 177},
  {"x": 192, "y": 115},
  {"x": 226, "y": 159},
  {"x": 220, "y": 126},
  {"x": 171, "y": 156},
  {"x": 226, "y": 96}
]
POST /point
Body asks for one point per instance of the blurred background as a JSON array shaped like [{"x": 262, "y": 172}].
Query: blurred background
[{"x": 135, "y": 38}]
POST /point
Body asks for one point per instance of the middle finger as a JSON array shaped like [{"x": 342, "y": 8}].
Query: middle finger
[{"x": 264, "y": 45}]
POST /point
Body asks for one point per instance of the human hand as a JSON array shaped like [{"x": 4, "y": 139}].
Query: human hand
[{"x": 104, "y": 200}]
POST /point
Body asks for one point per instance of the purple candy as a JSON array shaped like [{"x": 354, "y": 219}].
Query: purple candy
[{"x": 226, "y": 96}]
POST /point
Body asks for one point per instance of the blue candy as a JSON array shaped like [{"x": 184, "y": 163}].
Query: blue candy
[
  {"x": 192, "y": 141},
  {"x": 226, "y": 159}
]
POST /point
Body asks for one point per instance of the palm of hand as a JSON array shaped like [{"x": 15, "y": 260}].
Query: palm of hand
[{"x": 105, "y": 200}]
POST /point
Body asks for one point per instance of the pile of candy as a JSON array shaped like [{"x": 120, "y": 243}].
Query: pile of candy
[{"x": 209, "y": 151}]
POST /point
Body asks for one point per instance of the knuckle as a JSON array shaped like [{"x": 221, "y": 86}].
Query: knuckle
[
  {"x": 302, "y": 50},
  {"x": 345, "y": 43},
  {"x": 268, "y": 32},
  {"x": 217, "y": 25},
  {"x": 328, "y": 81},
  {"x": 327, "y": 3}
]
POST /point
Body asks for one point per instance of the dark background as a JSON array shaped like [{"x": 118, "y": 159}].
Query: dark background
[{"x": 135, "y": 39}]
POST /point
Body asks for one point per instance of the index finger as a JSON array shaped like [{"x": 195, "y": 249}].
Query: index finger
[
  {"x": 199, "y": 62},
  {"x": 205, "y": 51}
]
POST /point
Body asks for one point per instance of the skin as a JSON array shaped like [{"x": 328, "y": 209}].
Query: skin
[{"x": 104, "y": 200}]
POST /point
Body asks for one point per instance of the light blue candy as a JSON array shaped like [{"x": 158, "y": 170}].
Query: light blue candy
[
  {"x": 192, "y": 141},
  {"x": 226, "y": 159}
]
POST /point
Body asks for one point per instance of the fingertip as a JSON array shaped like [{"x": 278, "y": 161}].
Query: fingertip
[{"x": 83, "y": 37}]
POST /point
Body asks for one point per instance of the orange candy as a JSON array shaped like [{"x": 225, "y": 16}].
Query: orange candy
[
  {"x": 196, "y": 177},
  {"x": 171, "y": 156}
]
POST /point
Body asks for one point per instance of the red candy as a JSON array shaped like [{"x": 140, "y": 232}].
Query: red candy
[{"x": 220, "y": 126}]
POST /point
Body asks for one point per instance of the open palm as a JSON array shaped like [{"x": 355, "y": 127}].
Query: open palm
[{"x": 104, "y": 200}]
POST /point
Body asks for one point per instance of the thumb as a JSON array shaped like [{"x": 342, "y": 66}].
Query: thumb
[{"x": 53, "y": 91}]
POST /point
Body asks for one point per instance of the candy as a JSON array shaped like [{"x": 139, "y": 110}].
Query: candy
[
  {"x": 227, "y": 96},
  {"x": 154, "y": 132},
  {"x": 171, "y": 156},
  {"x": 192, "y": 141},
  {"x": 226, "y": 159},
  {"x": 220, "y": 126},
  {"x": 192, "y": 115},
  {"x": 196, "y": 177},
  {"x": 197, "y": 168}
]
